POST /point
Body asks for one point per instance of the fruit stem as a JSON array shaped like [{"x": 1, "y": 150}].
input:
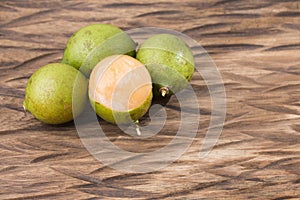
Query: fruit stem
[
  {"x": 164, "y": 91},
  {"x": 25, "y": 111},
  {"x": 137, "y": 128}
]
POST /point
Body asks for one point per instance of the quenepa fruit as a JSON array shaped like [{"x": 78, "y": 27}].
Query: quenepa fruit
[
  {"x": 49, "y": 93},
  {"x": 92, "y": 43},
  {"x": 120, "y": 89},
  {"x": 169, "y": 61}
]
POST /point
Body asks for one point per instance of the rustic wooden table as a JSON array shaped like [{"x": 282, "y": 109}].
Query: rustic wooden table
[{"x": 256, "y": 46}]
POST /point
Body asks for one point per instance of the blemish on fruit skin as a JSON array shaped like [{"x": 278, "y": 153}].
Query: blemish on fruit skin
[
  {"x": 88, "y": 45},
  {"x": 88, "y": 32},
  {"x": 67, "y": 106}
]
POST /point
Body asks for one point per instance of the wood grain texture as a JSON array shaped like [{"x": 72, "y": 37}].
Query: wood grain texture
[{"x": 256, "y": 46}]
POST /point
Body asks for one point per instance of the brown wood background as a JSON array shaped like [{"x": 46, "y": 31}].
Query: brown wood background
[{"x": 256, "y": 46}]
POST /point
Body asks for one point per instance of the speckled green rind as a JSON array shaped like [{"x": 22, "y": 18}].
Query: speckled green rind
[
  {"x": 117, "y": 117},
  {"x": 164, "y": 51},
  {"x": 92, "y": 43},
  {"x": 49, "y": 93}
]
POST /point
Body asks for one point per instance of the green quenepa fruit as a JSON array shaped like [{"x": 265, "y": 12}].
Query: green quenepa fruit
[
  {"x": 56, "y": 93},
  {"x": 120, "y": 89},
  {"x": 169, "y": 61},
  {"x": 92, "y": 43}
]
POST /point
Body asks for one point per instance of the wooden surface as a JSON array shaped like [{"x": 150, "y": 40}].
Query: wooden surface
[{"x": 256, "y": 46}]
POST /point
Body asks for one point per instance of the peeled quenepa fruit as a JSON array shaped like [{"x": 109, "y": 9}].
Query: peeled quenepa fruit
[
  {"x": 169, "y": 61},
  {"x": 92, "y": 43},
  {"x": 49, "y": 93},
  {"x": 120, "y": 89}
]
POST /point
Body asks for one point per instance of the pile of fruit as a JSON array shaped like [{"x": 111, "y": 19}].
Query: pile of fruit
[{"x": 102, "y": 62}]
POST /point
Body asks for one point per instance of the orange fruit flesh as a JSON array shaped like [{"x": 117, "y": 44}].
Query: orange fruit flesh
[{"x": 120, "y": 83}]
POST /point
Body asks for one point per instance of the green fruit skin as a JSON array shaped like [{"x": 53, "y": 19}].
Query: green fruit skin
[
  {"x": 169, "y": 61},
  {"x": 165, "y": 76},
  {"x": 92, "y": 43},
  {"x": 121, "y": 117},
  {"x": 49, "y": 93}
]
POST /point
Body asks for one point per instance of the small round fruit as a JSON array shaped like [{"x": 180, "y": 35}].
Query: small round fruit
[
  {"x": 169, "y": 61},
  {"x": 49, "y": 93},
  {"x": 92, "y": 43},
  {"x": 120, "y": 89}
]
